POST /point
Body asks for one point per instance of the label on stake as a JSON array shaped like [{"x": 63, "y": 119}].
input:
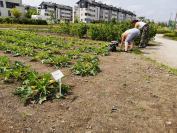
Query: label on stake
[{"x": 57, "y": 75}]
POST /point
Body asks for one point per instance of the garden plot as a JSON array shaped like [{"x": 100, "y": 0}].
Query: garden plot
[
  {"x": 77, "y": 54},
  {"x": 35, "y": 87}
]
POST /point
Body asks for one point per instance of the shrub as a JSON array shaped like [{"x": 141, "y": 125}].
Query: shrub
[
  {"x": 16, "y": 13},
  {"x": 9, "y": 20},
  {"x": 79, "y": 29},
  {"x": 64, "y": 28},
  {"x": 107, "y": 31}
]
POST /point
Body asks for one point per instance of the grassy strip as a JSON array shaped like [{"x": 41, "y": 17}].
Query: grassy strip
[
  {"x": 160, "y": 65},
  {"x": 137, "y": 51},
  {"x": 171, "y": 70},
  {"x": 172, "y": 36}
]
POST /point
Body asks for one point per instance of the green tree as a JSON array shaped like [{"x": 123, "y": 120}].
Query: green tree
[
  {"x": 16, "y": 13},
  {"x": 31, "y": 12}
]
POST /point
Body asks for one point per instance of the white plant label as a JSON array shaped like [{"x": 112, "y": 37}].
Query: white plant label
[{"x": 57, "y": 75}]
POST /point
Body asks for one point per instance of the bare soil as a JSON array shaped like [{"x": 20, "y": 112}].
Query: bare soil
[{"x": 129, "y": 95}]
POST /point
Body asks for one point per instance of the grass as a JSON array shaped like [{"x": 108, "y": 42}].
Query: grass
[
  {"x": 137, "y": 51},
  {"x": 171, "y": 70},
  {"x": 171, "y": 35}
]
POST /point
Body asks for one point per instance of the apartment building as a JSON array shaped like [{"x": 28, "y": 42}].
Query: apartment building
[
  {"x": 7, "y": 5},
  {"x": 56, "y": 11},
  {"x": 90, "y": 10}
]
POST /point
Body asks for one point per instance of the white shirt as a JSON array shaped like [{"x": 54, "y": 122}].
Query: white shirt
[{"x": 141, "y": 24}]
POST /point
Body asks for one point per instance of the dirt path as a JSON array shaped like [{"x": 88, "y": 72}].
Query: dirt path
[
  {"x": 129, "y": 95},
  {"x": 165, "y": 52}
]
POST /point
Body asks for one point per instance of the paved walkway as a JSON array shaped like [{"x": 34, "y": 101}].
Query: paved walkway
[{"x": 165, "y": 52}]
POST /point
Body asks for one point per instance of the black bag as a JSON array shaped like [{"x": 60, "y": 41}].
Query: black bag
[{"x": 112, "y": 46}]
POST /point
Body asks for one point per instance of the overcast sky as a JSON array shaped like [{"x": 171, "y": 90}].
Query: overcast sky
[{"x": 158, "y": 10}]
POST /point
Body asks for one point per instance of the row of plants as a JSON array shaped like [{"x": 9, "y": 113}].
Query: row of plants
[
  {"x": 58, "y": 52},
  {"x": 163, "y": 30},
  {"x": 101, "y": 31},
  {"x": 35, "y": 87},
  {"x": 11, "y": 20}
]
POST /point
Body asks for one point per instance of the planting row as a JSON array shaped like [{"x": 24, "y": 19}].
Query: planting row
[
  {"x": 34, "y": 88},
  {"x": 101, "y": 31},
  {"x": 59, "y": 52},
  {"x": 11, "y": 20}
]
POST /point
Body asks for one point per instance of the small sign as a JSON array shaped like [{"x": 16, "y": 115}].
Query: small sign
[{"x": 57, "y": 75}]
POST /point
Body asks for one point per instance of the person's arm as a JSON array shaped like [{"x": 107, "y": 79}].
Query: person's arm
[{"x": 123, "y": 37}]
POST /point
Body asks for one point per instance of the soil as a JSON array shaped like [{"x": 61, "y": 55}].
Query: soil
[{"x": 129, "y": 95}]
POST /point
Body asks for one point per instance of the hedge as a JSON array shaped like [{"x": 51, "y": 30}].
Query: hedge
[
  {"x": 10, "y": 20},
  {"x": 101, "y": 31}
]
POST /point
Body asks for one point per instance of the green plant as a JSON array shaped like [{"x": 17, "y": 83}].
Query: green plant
[
  {"x": 31, "y": 12},
  {"x": 79, "y": 29},
  {"x": 16, "y": 13},
  {"x": 13, "y": 20},
  {"x": 87, "y": 65},
  {"x": 35, "y": 87}
]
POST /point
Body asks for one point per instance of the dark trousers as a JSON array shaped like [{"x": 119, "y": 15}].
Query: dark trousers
[{"x": 144, "y": 36}]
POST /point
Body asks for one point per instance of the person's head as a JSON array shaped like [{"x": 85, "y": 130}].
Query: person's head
[{"x": 135, "y": 21}]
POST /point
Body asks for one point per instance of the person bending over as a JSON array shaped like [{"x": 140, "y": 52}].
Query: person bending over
[{"x": 128, "y": 37}]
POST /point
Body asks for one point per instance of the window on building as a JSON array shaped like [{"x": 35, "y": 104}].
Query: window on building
[
  {"x": 11, "y": 5},
  {"x": 1, "y": 4}
]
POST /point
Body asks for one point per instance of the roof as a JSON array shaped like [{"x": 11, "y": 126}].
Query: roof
[
  {"x": 50, "y": 4},
  {"x": 110, "y": 7}
]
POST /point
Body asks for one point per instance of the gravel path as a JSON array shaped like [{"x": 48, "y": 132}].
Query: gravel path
[{"x": 165, "y": 52}]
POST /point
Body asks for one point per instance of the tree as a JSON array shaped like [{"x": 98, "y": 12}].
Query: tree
[
  {"x": 113, "y": 21},
  {"x": 31, "y": 12},
  {"x": 16, "y": 13}
]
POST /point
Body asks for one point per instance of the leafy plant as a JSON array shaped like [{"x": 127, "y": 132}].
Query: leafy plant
[
  {"x": 16, "y": 12},
  {"x": 87, "y": 65},
  {"x": 35, "y": 87}
]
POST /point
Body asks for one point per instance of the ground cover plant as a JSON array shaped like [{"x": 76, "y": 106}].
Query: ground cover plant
[
  {"x": 54, "y": 51},
  {"x": 35, "y": 87}
]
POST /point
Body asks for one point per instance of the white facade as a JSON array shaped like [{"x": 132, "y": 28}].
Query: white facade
[
  {"x": 55, "y": 11},
  {"x": 89, "y": 10},
  {"x": 7, "y": 5},
  {"x": 40, "y": 17}
]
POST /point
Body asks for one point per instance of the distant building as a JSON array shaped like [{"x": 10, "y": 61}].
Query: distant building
[
  {"x": 7, "y": 5},
  {"x": 89, "y": 10},
  {"x": 55, "y": 11}
]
